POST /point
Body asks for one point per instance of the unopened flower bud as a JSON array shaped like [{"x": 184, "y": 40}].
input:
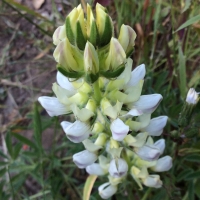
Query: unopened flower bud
[
  {"x": 188, "y": 108},
  {"x": 127, "y": 39},
  {"x": 115, "y": 62},
  {"x": 59, "y": 34},
  {"x": 67, "y": 64},
  {"x": 97, "y": 128},
  {"x": 91, "y": 63},
  {"x": 153, "y": 181},
  {"x": 104, "y": 25},
  {"x": 101, "y": 139},
  {"x": 192, "y": 96},
  {"x": 92, "y": 33},
  {"x": 84, "y": 158}
]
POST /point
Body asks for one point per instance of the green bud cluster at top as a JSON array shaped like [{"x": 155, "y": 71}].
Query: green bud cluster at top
[
  {"x": 90, "y": 45},
  {"x": 113, "y": 119}
]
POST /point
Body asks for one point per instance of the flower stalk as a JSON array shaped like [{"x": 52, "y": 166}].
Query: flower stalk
[{"x": 95, "y": 83}]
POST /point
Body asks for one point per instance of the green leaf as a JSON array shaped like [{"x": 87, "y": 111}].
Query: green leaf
[
  {"x": 2, "y": 154},
  {"x": 24, "y": 140},
  {"x": 22, "y": 168},
  {"x": 37, "y": 126},
  {"x": 69, "y": 32},
  {"x": 187, "y": 5},
  {"x": 196, "y": 188},
  {"x": 191, "y": 190},
  {"x": 88, "y": 186},
  {"x": 9, "y": 143},
  {"x": 189, "y": 22},
  {"x": 69, "y": 74},
  {"x": 17, "y": 149},
  {"x": 193, "y": 158},
  {"x": 27, "y": 10},
  {"x": 182, "y": 71},
  {"x": 193, "y": 175},
  {"x": 2, "y": 163},
  {"x": 184, "y": 174},
  {"x": 80, "y": 39},
  {"x": 2, "y": 171}
]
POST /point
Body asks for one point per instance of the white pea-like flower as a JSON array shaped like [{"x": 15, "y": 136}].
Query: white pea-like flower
[
  {"x": 160, "y": 144},
  {"x": 136, "y": 75},
  {"x": 107, "y": 190},
  {"x": 77, "y": 131},
  {"x": 145, "y": 105},
  {"x": 192, "y": 96},
  {"x": 156, "y": 125},
  {"x": 95, "y": 169},
  {"x": 148, "y": 152},
  {"x": 118, "y": 168},
  {"x": 53, "y": 106},
  {"x": 163, "y": 164},
  {"x": 119, "y": 129},
  {"x": 84, "y": 158}
]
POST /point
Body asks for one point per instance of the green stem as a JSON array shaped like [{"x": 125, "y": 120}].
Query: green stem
[{"x": 97, "y": 92}]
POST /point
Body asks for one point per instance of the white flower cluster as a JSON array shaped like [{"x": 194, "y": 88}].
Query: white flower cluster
[
  {"x": 113, "y": 119},
  {"x": 121, "y": 120}
]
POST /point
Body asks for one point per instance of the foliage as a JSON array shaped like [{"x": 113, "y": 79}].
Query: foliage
[{"x": 168, "y": 43}]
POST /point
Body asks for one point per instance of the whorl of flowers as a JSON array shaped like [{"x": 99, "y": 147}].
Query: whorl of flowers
[{"x": 113, "y": 119}]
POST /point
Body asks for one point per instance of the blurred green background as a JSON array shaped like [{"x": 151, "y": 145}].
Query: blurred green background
[{"x": 35, "y": 156}]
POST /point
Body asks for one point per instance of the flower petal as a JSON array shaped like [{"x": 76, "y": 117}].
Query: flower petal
[
  {"x": 95, "y": 169},
  {"x": 84, "y": 158},
  {"x": 153, "y": 181},
  {"x": 119, "y": 129},
  {"x": 146, "y": 104},
  {"x": 64, "y": 82},
  {"x": 163, "y": 164},
  {"x": 136, "y": 75},
  {"x": 53, "y": 106},
  {"x": 106, "y": 190},
  {"x": 160, "y": 144},
  {"x": 148, "y": 153},
  {"x": 77, "y": 131},
  {"x": 156, "y": 125},
  {"x": 118, "y": 168}
]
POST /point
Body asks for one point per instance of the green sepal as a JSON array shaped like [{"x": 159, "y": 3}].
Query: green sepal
[
  {"x": 93, "y": 119},
  {"x": 94, "y": 37},
  {"x": 113, "y": 74},
  {"x": 80, "y": 39},
  {"x": 91, "y": 78},
  {"x": 69, "y": 32},
  {"x": 129, "y": 52},
  {"x": 71, "y": 74},
  {"x": 192, "y": 132},
  {"x": 108, "y": 32}
]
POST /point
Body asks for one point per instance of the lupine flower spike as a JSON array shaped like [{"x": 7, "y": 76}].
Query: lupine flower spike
[{"x": 96, "y": 83}]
